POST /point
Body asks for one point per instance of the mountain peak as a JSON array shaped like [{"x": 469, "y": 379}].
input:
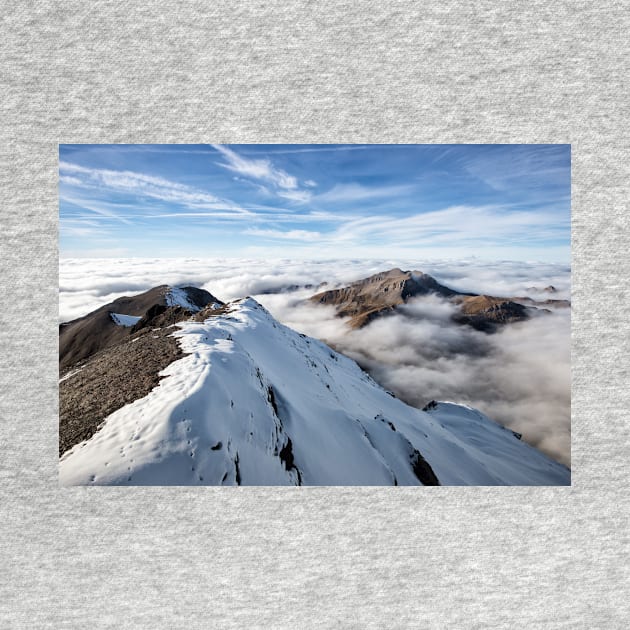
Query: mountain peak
[
  {"x": 380, "y": 293},
  {"x": 114, "y": 322}
]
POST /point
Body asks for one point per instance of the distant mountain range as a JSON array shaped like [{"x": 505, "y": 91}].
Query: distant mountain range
[
  {"x": 175, "y": 387},
  {"x": 381, "y": 294}
]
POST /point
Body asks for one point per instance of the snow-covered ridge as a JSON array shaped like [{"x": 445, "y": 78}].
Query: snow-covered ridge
[{"x": 256, "y": 403}]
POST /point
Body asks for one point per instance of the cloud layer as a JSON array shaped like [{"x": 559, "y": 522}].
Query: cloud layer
[{"x": 519, "y": 376}]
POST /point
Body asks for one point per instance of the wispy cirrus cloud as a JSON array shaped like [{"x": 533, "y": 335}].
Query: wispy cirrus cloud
[
  {"x": 81, "y": 231},
  {"x": 358, "y": 192},
  {"x": 285, "y": 185},
  {"x": 94, "y": 207},
  {"x": 528, "y": 167},
  {"x": 142, "y": 185},
  {"x": 290, "y": 235},
  {"x": 457, "y": 224},
  {"x": 257, "y": 168},
  {"x": 301, "y": 196},
  {"x": 261, "y": 215},
  {"x": 71, "y": 181}
]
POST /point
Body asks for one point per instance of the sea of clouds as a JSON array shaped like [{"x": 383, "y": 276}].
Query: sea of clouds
[{"x": 520, "y": 376}]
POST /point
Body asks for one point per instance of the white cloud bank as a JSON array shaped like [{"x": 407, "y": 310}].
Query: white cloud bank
[{"x": 519, "y": 376}]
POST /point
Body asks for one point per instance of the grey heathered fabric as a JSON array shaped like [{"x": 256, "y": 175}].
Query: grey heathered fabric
[{"x": 313, "y": 72}]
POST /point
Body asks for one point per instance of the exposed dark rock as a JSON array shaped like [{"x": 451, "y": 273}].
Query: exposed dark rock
[
  {"x": 286, "y": 456},
  {"x": 159, "y": 316},
  {"x": 237, "y": 471},
  {"x": 422, "y": 470},
  {"x": 271, "y": 398}
]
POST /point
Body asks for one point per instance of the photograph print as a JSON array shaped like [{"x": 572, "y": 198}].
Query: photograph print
[{"x": 314, "y": 315}]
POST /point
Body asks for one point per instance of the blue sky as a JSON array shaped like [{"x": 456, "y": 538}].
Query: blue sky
[{"x": 316, "y": 201}]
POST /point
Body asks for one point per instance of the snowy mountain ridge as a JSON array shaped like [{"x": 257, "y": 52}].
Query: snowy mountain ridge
[{"x": 253, "y": 402}]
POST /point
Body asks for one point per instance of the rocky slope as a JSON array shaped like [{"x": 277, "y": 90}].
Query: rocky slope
[
  {"x": 114, "y": 355},
  {"x": 252, "y": 402}
]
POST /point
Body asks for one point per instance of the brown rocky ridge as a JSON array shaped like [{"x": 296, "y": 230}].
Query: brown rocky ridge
[
  {"x": 99, "y": 329},
  {"x": 382, "y": 293}
]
